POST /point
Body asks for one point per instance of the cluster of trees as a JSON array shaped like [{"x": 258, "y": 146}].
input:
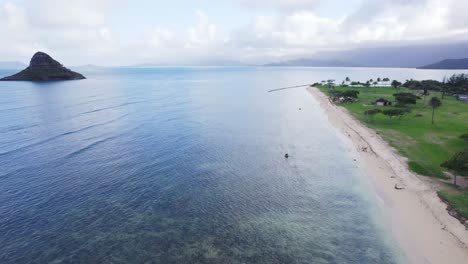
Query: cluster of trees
[
  {"x": 355, "y": 82},
  {"x": 412, "y": 84},
  {"x": 365, "y": 84},
  {"x": 404, "y": 99},
  {"x": 455, "y": 84},
  {"x": 425, "y": 85},
  {"x": 396, "y": 84},
  {"x": 379, "y": 80},
  {"x": 369, "y": 82}
]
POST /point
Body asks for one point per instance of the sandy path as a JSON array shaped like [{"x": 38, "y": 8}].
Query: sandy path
[{"x": 417, "y": 219}]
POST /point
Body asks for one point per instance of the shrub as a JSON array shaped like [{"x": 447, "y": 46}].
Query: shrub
[
  {"x": 372, "y": 112},
  {"x": 396, "y": 84},
  {"x": 405, "y": 98},
  {"x": 458, "y": 163},
  {"x": 413, "y": 85},
  {"x": 394, "y": 112},
  {"x": 464, "y": 136},
  {"x": 350, "y": 93}
]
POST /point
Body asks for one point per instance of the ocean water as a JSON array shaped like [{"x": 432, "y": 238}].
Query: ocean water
[{"x": 184, "y": 165}]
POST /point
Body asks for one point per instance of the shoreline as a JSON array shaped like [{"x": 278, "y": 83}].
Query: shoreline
[{"x": 417, "y": 218}]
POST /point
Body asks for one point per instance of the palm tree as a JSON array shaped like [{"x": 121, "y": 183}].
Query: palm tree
[{"x": 434, "y": 103}]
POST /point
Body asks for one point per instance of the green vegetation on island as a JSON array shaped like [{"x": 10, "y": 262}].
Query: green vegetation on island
[
  {"x": 426, "y": 121},
  {"x": 44, "y": 68}
]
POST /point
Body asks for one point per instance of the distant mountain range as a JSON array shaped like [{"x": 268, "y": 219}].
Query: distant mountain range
[
  {"x": 448, "y": 56},
  {"x": 388, "y": 57},
  {"x": 12, "y": 65},
  {"x": 195, "y": 63},
  {"x": 449, "y": 64},
  {"x": 88, "y": 67}
]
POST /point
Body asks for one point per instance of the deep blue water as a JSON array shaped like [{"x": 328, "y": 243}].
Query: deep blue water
[{"x": 183, "y": 165}]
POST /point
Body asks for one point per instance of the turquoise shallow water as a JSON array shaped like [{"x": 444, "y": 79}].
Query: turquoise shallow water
[{"x": 183, "y": 165}]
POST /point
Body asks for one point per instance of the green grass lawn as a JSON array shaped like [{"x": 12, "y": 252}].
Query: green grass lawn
[{"x": 425, "y": 145}]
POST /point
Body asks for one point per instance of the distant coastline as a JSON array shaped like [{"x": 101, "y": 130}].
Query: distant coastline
[{"x": 449, "y": 64}]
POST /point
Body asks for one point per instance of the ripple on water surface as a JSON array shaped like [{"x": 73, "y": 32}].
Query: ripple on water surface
[{"x": 179, "y": 166}]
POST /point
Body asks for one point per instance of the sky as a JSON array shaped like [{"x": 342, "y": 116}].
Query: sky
[{"x": 179, "y": 32}]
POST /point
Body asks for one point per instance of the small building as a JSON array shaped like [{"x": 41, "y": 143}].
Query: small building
[{"x": 382, "y": 102}]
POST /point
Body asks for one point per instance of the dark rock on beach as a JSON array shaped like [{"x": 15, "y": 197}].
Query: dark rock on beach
[{"x": 44, "y": 68}]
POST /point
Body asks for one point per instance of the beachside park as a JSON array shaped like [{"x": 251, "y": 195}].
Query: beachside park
[{"x": 425, "y": 121}]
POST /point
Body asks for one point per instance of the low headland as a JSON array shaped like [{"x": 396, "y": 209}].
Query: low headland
[
  {"x": 448, "y": 64},
  {"x": 397, "y": 142}
]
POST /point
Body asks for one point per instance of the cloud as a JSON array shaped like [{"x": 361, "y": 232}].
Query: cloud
[
  {"x": 67, "y": 14},
  {"x": 280, "y": 5},
  {"x": 458, "y": 11},
  {"x": 379, "y": 20},
  {"x": 373, "y": 23},
  {"x": 14, "y": 26},
  {"x": 200, "y": 41},
  {"x": 204, "y": 32},
  {"x": 80, "y": 32},
  {"x": 67, "y": 29}
]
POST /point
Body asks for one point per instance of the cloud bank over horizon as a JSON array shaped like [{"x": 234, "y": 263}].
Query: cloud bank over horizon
[{"x": 121, "y": 32}]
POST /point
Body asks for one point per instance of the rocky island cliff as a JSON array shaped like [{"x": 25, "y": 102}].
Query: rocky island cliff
[{"x": 44, "y": 68}]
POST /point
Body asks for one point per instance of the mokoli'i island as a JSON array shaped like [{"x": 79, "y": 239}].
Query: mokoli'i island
[
  {"x": 44, "y": 68},
  {"x": 232, "y": 131}
]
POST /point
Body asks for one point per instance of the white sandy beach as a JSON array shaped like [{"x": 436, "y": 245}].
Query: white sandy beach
[{"x": 416, "y": 217}]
